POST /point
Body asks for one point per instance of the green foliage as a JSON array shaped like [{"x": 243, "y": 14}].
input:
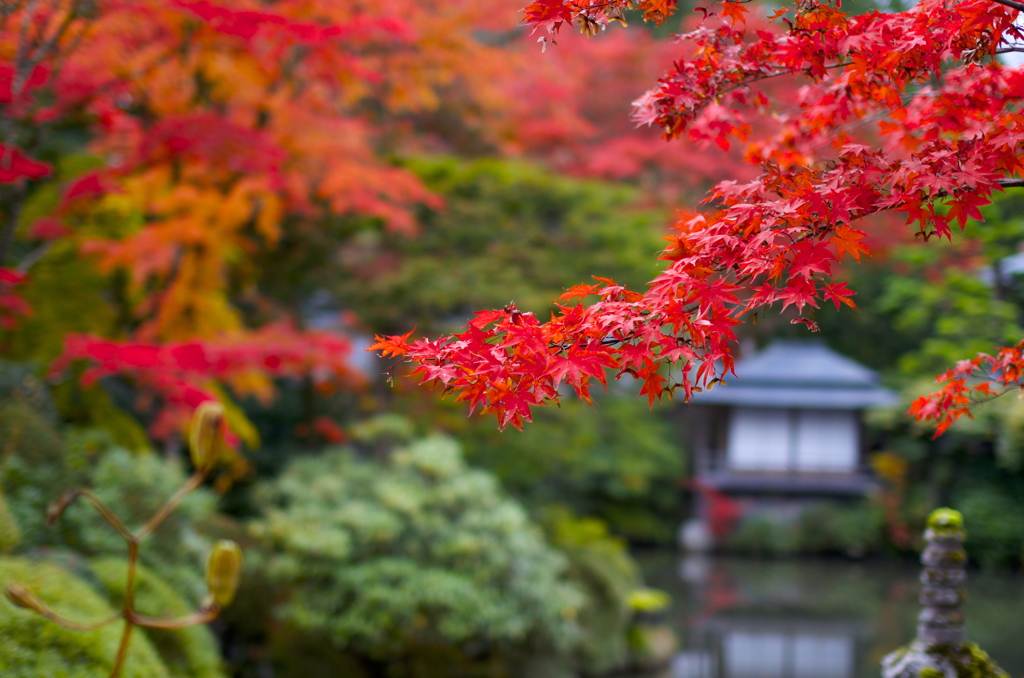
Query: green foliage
[
  {"x": 824, "y": 528},
  {"x": 649, "y": 601},
  {"x": 18, "y": 382},
  {"x": 764, "y": 536},
  {"x": 10, "y": 533},
  {"x": 36, "y": 465},
  {"x": 421, "y": 551},
  {"x": 995, "y": 524},
  {"x": 190, "y": 651},
  {"x": 957, "y": 312},
  {"x": 507, "y": 231},
  {"x": 617, "y": 460},
  {"x": 32, "y": 646},
  {"x": 842, "y": 528},
  {"x": 134, "y": 487},
  {"x": 66, "y": 295},
  {"x": 40, "y": 464},
  {"x": 601, "y": 566}
]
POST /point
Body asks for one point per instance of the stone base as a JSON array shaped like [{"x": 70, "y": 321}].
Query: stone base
[{"x": 918, "y": 660}]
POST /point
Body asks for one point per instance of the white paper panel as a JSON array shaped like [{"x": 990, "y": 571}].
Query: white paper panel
[
  {"x": 826, "y": 440},
  {"x": 823, "y": 657},
  {"x": 759, "y": 439},
  {"x": 754, "y": 655}
]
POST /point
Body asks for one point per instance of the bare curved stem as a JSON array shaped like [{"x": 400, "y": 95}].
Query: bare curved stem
[
  {"x": 160, "y": 516},
  {"x": 77, "y": 626},
  {"x": 58, "y": 508},
  {"x": 122, "y": 649},
  {"x": 203, "y": 616},
  {"x": 128, "y": 610}
]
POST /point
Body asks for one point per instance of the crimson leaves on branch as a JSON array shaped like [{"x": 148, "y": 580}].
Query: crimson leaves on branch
[{"x": 908, "y": 113}]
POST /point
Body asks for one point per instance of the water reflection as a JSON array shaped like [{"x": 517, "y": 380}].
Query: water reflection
[{"x": 745, "y": 618}]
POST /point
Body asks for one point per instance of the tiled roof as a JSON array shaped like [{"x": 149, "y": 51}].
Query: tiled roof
[{"x": 793, "y": 373}]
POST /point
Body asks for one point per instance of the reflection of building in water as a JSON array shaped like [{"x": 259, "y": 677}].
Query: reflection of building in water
[
  {"x": 785, "y": 432},
  {"x": 772, "y": 629},
  {"x": 735, "y": 647},
  {"x": 787, "y": 651}
]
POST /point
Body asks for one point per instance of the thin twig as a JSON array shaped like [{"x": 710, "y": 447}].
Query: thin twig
[
  {"x": 100, "y": 507},
  {"x": 203, "y": 616},
  {"x": 76, "y": 626},
  {"x": 128, "y": 610},
  {"x": 1010, "y": 3},
  {"x": 194, "y": 482}
]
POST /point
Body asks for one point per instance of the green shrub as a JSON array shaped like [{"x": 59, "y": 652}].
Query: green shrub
[
  {"x": 764, "y": 536},
  {"x": 132, "y": 485},
  {"x": 618, "y": 461},
  {"x": 994, "y": 523},
  {"x": 32, "y": 646},
  {"x": 35, "y": 467},
  {"x": 852, "y": 529},
  {"x": 422, "y": 551},
  {"x": 190, "y": 652},
  {"x": 10, "y": 533},
  {"x": 601, "y": 566}
]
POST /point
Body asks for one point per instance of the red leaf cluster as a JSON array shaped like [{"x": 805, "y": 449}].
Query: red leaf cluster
[
  {"x": 180, "y": 375},
  {"x": 12, "y": 306},
  {"x": 950, "y": 134},
  {"x": 971, "y": 382},
  {"x": 15, "y": 166}
]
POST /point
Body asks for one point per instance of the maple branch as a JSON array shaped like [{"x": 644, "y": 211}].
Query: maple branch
[
  {"x": 1019, "y": 6},
  {"x": 777, "y": 74},
  {"x": 1011, "y": 183}
]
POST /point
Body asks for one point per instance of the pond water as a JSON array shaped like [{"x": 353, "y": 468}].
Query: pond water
[{"x": 749, "y": 618}]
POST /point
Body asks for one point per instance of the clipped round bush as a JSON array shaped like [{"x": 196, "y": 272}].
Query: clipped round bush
[
  {"x": 32, "y": 646},
  {"x": 421, "y": 551},
  {"x": 134, "y": 486}
]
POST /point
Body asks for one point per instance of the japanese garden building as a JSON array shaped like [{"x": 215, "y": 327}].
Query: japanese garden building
[{"x": 785, "y": 431}]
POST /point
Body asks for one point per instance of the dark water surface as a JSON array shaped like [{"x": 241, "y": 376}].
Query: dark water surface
[{"x": 748, "y": 618}]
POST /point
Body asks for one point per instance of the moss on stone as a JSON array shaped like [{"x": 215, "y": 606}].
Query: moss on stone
[
  {"x": 972, "y": 662},
  {"x": 945, "y": 522}
]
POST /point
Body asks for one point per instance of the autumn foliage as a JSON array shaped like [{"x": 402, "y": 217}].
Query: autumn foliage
[
  {"x": 908, "y": 113},
  {"x": 155, "y": 155},
  {"x": 214, "y": 132}
]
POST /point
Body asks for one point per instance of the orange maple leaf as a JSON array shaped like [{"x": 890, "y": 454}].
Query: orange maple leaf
[
  {"x": 735, "y": 12},
  {"x": 393, "y": 345},
  {"x": 847, "y": 241},
  {"x": 657, "y": 10}
]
